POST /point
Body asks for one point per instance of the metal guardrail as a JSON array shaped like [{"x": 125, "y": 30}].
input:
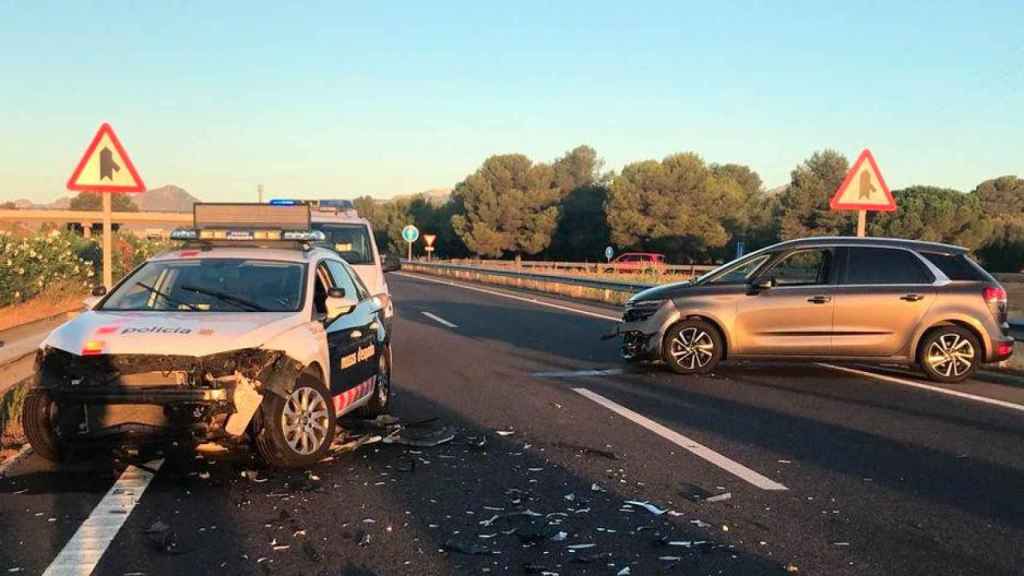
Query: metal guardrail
[
  {"x": 628, "y": 287},
  {"x": 1017, "y": 330},
  {"x": 690, "y": 269}
]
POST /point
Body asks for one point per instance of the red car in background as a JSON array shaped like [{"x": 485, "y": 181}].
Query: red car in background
[{"x": 638, "y": 262}]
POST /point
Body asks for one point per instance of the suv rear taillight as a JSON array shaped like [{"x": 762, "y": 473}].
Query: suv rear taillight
[{"x": 995, "y": 297}]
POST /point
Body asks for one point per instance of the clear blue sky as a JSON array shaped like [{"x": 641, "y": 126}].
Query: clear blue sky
[{"x": 336, "y": 100}]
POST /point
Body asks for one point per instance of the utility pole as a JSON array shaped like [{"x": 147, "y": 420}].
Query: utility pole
[{"x": 259, "y": 192}]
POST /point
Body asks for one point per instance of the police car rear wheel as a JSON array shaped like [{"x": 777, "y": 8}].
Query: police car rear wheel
[
  {"x": 39, "y": 419},
  {"x": 380, "y": 402},
  {"x": 297, "y": 431}
]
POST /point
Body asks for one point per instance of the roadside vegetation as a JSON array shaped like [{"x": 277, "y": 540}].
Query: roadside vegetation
[
  {"x": 684, "y": 207},
  {"x": 60, "y": 265}
]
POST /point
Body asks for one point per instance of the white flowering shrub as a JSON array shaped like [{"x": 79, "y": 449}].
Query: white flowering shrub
[{"x": 52, "y": 259}]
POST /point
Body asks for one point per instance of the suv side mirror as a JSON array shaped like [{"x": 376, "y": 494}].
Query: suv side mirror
[
  {"x": 99, "y": 291},
  {"x": 338, "y": 304},
  {"x": 763, "y": 284}
]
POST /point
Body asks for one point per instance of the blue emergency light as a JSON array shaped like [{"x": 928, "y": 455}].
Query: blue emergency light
[{"x": 286, "y": 202}]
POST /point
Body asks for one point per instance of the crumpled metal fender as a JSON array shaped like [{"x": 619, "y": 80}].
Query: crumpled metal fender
[{"x": 303, "y": 346}]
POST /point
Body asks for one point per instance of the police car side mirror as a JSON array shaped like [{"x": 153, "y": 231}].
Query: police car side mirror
[
  {"x": 97, "y": 294},
  {"x": 391, "y": 263},
  {"x": 338, "y": 303}
]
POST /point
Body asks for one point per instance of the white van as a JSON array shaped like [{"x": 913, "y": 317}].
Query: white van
[{"x": 352, "y": 238}]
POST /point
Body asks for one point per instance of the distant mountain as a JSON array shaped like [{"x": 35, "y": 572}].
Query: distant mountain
[
  {"x": 165, "y": 199},
  {"x": 777, "y": 190},
  {"x": 434, "y": 196}
]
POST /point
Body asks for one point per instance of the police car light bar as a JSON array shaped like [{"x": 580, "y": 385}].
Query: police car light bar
[
  {"x": 224, "y": 216},
  {"x": 236, "y": 234}
]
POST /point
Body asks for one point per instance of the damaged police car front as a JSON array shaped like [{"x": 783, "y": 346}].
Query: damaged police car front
[{"x": 241, "y": 336}]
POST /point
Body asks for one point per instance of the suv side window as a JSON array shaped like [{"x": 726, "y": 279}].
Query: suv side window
[
  {"x": 884, "y": 266},
  {"x": 802, "y": 268},
  {"x": 343, "y": 280},
  {"x": 954, "y": 266}
]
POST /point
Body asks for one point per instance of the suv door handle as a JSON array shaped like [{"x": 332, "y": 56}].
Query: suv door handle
[
  {"x": 912, "y": 298},
  {"x": 819, "y": 299}
]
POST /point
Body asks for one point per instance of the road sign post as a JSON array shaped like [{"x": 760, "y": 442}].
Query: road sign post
[
  {"x": 608, "y": 253},
  {"x": 429, "y": 240},
  {"x": 106, "y": 169},
  {"x": 410, "y": 234},
  {"x": 863, "y": 189}
]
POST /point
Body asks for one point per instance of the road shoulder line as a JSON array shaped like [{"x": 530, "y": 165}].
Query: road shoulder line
[
  {"x": 438, "y": 319},
  {"x": 929, "y": 387}
]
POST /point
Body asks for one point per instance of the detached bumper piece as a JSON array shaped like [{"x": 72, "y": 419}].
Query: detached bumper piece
[
  {"x": 156, "y": 395},
  {"x": 634, "y": 345}
]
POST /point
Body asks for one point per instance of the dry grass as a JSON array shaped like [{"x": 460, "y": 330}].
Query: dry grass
[
  {"x": 12, "y": 435},
  {"x": 632, "y": 278},
  {"x": 50, "y": 303}
]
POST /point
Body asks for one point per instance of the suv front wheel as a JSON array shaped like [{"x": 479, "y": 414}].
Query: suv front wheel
[
  {"x": 950, "y": 354},
  {"x": 692, "y": 347}
]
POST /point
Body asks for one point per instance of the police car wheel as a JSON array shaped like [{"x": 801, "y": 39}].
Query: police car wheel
[
  {"x": 296, "y": 431},
  {"x": 39, "y": 419},
  {"x": 380, "y": 402}
]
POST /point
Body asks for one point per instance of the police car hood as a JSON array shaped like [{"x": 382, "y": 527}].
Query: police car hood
[{"x": 171, "y": 333}]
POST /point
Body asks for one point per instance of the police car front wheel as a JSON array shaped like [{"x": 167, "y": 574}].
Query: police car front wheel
[{"x": 297, "y": 431}]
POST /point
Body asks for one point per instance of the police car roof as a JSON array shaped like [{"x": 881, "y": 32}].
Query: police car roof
[{"x": 259, "y": 251}]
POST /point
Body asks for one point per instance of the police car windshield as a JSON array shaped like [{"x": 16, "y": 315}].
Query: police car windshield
[
  {"x": 211, "y": 285},
  {"x": 350, "y": 241}
]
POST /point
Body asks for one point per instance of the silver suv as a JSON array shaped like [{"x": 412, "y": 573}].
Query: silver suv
[{"x": 855, "y": 299}]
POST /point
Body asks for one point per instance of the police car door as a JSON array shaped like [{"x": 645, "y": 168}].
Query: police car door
[
  {"x": 340, "y": 343},
  {"x": 359, "y": 363}
]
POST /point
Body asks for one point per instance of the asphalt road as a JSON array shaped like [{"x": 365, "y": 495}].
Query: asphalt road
[{"x": 826, "y": 471}]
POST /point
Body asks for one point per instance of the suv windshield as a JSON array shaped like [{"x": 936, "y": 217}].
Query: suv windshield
[
  {"x": 350, "y": 241},
  {"x": 735, "y": 272},
  {"x": 211, "y": 285}
]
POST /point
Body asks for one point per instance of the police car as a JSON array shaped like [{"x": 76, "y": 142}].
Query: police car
[
  {"x": 249, "y": 333},
  {"x": 351, "y": 236}
]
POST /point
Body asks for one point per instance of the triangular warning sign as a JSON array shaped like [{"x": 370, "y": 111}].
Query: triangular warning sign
[
  {"x": 105, "y": 166},
  {"x": 863, "y": 188}
]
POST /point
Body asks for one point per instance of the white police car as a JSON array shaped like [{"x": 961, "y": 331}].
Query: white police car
[{"x": 248, "y": 333}]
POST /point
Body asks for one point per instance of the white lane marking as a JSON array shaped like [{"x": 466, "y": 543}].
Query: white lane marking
[
  {"x": 82, "y": 553},
  {"x": 439, "y": 320},
  {"x": 7, "y": 464},
  {"x": 579, "y": 373},
  {"x": 512, "y": 297},
  {"x": 923, "y": 386},
  {"x": 731, "y": 466}
]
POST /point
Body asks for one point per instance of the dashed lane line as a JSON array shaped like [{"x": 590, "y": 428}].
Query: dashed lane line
[
  {"x": 579, "y": 373},
  {"x": 439, "y": 320},
  {"x": 698, "y": 449},
  {"x": 82, "y": 553},
  {"x": 512, "y": 297},
  {"x": 929, "y": 387}
]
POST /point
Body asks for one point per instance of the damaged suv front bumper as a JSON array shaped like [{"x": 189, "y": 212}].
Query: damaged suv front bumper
[{"x": 643, "y": 328}]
